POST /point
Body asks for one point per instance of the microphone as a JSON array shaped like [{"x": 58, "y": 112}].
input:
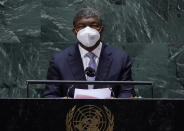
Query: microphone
[{"x": 89, "y": 72}]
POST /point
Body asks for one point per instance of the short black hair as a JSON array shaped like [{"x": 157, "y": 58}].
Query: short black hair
[{"x": 86, "y": 13}]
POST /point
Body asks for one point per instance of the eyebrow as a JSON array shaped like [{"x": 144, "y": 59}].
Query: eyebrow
[
  {"x": 95, "y": 23},
  {"x": 90, "y": 23}
]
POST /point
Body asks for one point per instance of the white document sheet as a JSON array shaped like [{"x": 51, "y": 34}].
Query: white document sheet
[{"x": 103, "y": 93}]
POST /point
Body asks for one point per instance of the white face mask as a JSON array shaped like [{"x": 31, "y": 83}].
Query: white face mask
[{"x": 88, "y": 36}]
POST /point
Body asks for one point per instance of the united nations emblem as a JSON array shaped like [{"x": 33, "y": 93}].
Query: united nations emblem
[{"x": 89, "y": 118}]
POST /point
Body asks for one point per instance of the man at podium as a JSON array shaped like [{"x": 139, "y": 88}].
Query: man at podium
[{"x": 89, "y": 54}]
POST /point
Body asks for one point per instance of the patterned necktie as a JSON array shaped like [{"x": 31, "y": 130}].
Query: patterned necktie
[{"x": 93, "y": 65}]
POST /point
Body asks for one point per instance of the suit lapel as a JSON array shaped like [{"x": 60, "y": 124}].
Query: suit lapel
[
  {"x": 75, "y": 63},
  {"x": 104, "y": 63}
]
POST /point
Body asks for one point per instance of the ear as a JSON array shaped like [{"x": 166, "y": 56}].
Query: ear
[
  {"x": 74, "y": 31},
  {"x": 102, "y": 30}
]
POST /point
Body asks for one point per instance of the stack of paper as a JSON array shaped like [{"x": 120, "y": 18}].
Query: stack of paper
[{"x": 103, "y": 93}]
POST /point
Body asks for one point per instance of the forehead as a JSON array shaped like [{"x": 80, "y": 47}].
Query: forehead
[{"x": 89, "y": 20}]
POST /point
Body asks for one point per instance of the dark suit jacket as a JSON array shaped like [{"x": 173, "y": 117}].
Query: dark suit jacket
[{"x": 114, "y": 65}]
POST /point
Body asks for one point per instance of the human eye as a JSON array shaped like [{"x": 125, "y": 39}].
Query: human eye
[
  {"x": 96, "y": 26},
  {"x": 80, "y": 26}
]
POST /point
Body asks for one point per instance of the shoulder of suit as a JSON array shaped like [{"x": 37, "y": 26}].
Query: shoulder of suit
[
  {"x": 114, "y": 51},
  {"x": 63, "y": 53}
]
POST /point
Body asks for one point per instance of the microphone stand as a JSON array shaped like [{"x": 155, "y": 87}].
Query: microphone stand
[
  {"x": 89, "y": 72},
  {"x": 67, "y": 95},
  {"x": 110, "y": 88}
]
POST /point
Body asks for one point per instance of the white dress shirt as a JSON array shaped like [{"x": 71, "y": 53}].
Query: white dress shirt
[{"x": 86, "y": 59}]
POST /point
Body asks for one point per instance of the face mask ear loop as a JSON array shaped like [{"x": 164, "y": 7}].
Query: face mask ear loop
[
  {"x": 76, "y": 31},
  {"x": 100, "y": 29}
]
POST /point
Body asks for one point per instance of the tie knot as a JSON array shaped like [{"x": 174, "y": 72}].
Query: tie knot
[{"x": 90, "y": 55}]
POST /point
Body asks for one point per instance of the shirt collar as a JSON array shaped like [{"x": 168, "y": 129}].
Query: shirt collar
[{"x": 96, "y": 51}]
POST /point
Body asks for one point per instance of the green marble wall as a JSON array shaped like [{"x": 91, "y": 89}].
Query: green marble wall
[{"x": 150, "y": 31}]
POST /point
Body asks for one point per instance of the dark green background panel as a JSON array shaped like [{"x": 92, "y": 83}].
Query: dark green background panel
[{"x": 150, "y": 31}]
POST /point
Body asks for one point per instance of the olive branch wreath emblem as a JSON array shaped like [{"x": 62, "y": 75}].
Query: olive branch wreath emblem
[{"x": 109, "y": 115}]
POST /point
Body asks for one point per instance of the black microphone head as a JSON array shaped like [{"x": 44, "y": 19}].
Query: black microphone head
[{"x": 90, "y": 72}]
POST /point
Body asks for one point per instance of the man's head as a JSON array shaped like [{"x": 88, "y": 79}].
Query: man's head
[
  {"x": 88, "y": 28},
  {"x": 87, "y": 13}
]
